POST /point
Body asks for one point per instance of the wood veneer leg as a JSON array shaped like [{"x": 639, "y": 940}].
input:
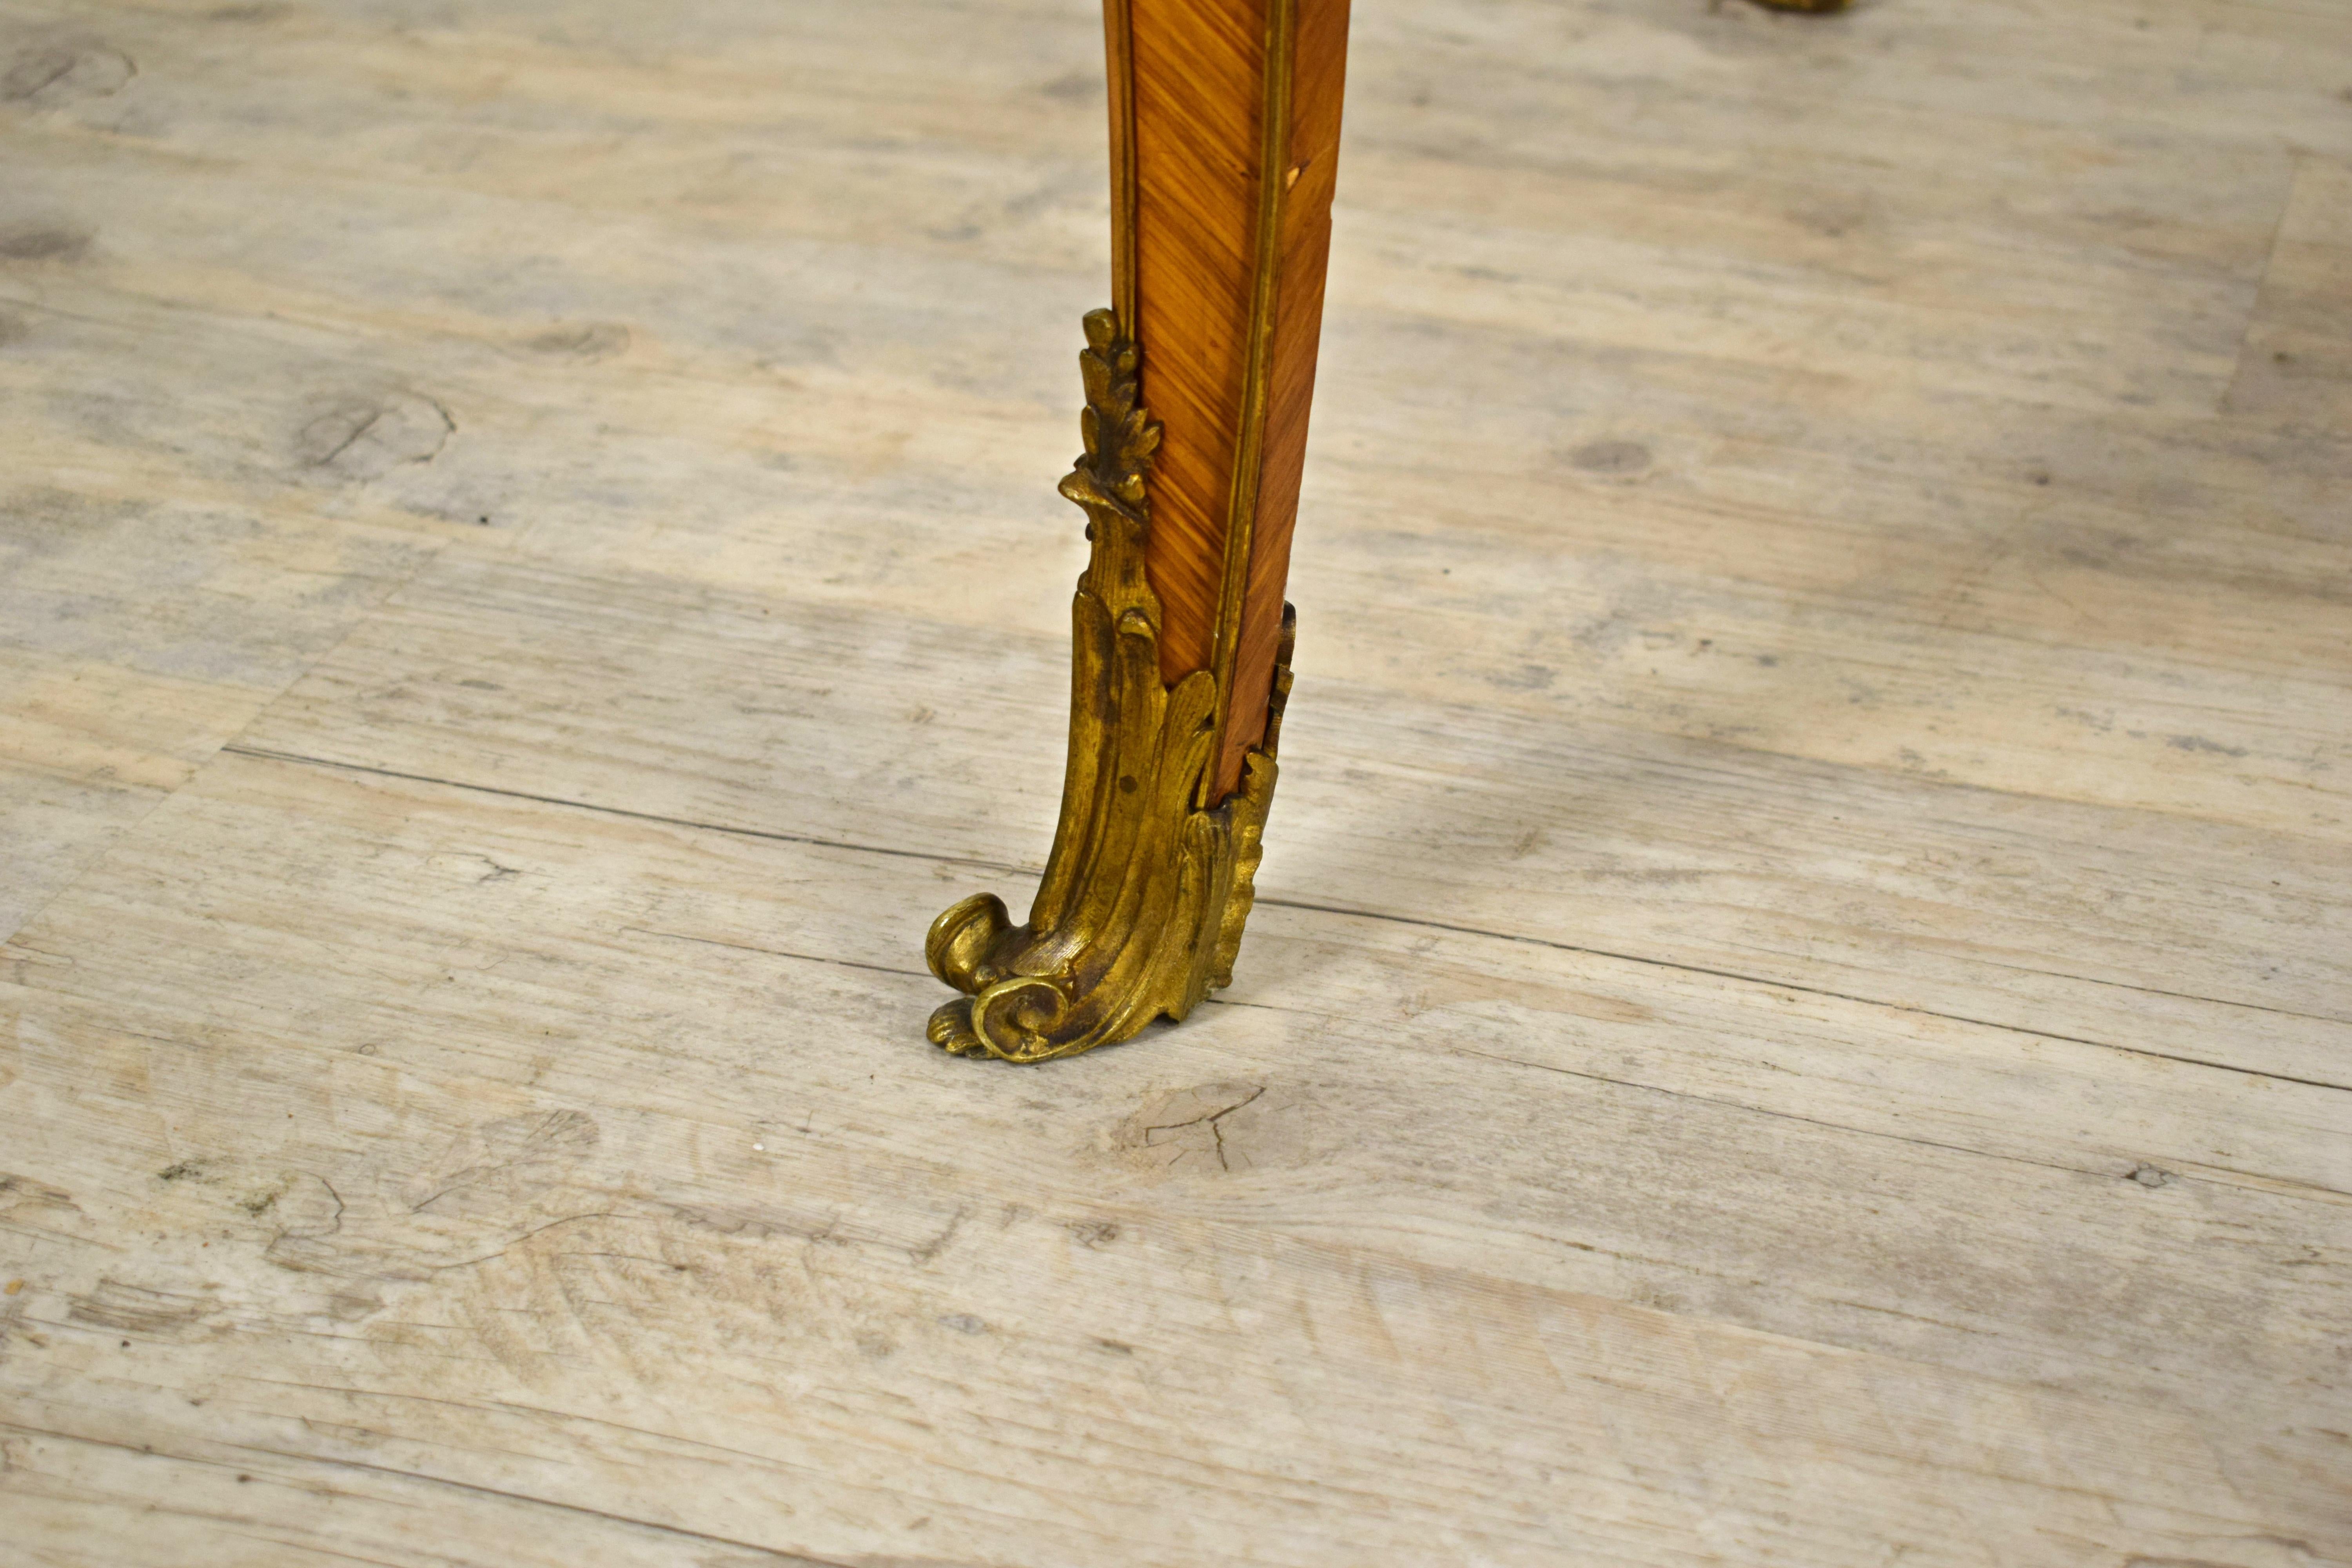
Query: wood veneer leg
[{"x": 1224, "y": 140}]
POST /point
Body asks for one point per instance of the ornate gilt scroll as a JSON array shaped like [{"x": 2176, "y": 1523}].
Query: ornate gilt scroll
[
  {"x": 1181, "y": 663},
  {"x": 1141, "y": 909}
]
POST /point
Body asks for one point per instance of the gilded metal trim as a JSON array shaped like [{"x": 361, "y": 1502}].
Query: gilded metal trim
[
  {"x": 1118, "y": 44},
  {"x": 1249, "y": 446},
  {"x": 1144, "y": 897}
]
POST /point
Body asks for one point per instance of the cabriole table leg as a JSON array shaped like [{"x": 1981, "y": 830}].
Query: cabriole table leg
[{"x": 1224, "y": 137}]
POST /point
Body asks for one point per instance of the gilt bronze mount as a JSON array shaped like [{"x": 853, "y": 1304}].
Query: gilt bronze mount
[{"x": 1141, "y": 908}]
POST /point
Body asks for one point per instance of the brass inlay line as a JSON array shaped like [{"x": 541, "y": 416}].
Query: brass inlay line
[
  {"x": 1118, "y": 39},
  {"x": 1249, "y": 445}
]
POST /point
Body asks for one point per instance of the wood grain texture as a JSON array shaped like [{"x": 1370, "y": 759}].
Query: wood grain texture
[
  {"x": 1799, "y": 1006},
  {"x": 1319, "y": 72},
  {"x": 1200, "y": 87}
]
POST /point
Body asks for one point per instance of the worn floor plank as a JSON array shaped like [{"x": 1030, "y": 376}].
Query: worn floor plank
[{"x": 705, "y": 706}]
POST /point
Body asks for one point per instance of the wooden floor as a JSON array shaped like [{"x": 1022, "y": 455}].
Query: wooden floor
[{"x": 1803, "y": 1007}]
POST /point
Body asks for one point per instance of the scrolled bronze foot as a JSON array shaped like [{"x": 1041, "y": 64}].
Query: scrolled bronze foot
[{"x": 1145, "y": 894}]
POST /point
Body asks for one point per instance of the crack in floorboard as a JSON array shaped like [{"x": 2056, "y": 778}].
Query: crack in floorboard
[
  {"x": 149, "y": 1450},
  {"x": 1302, "y": 905}
]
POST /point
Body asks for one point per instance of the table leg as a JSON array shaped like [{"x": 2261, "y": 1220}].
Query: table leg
[{"x": 1224, "y": 138}]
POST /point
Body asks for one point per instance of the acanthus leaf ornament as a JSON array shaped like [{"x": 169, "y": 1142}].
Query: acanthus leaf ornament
[{"x": 1146, "y": 892}]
